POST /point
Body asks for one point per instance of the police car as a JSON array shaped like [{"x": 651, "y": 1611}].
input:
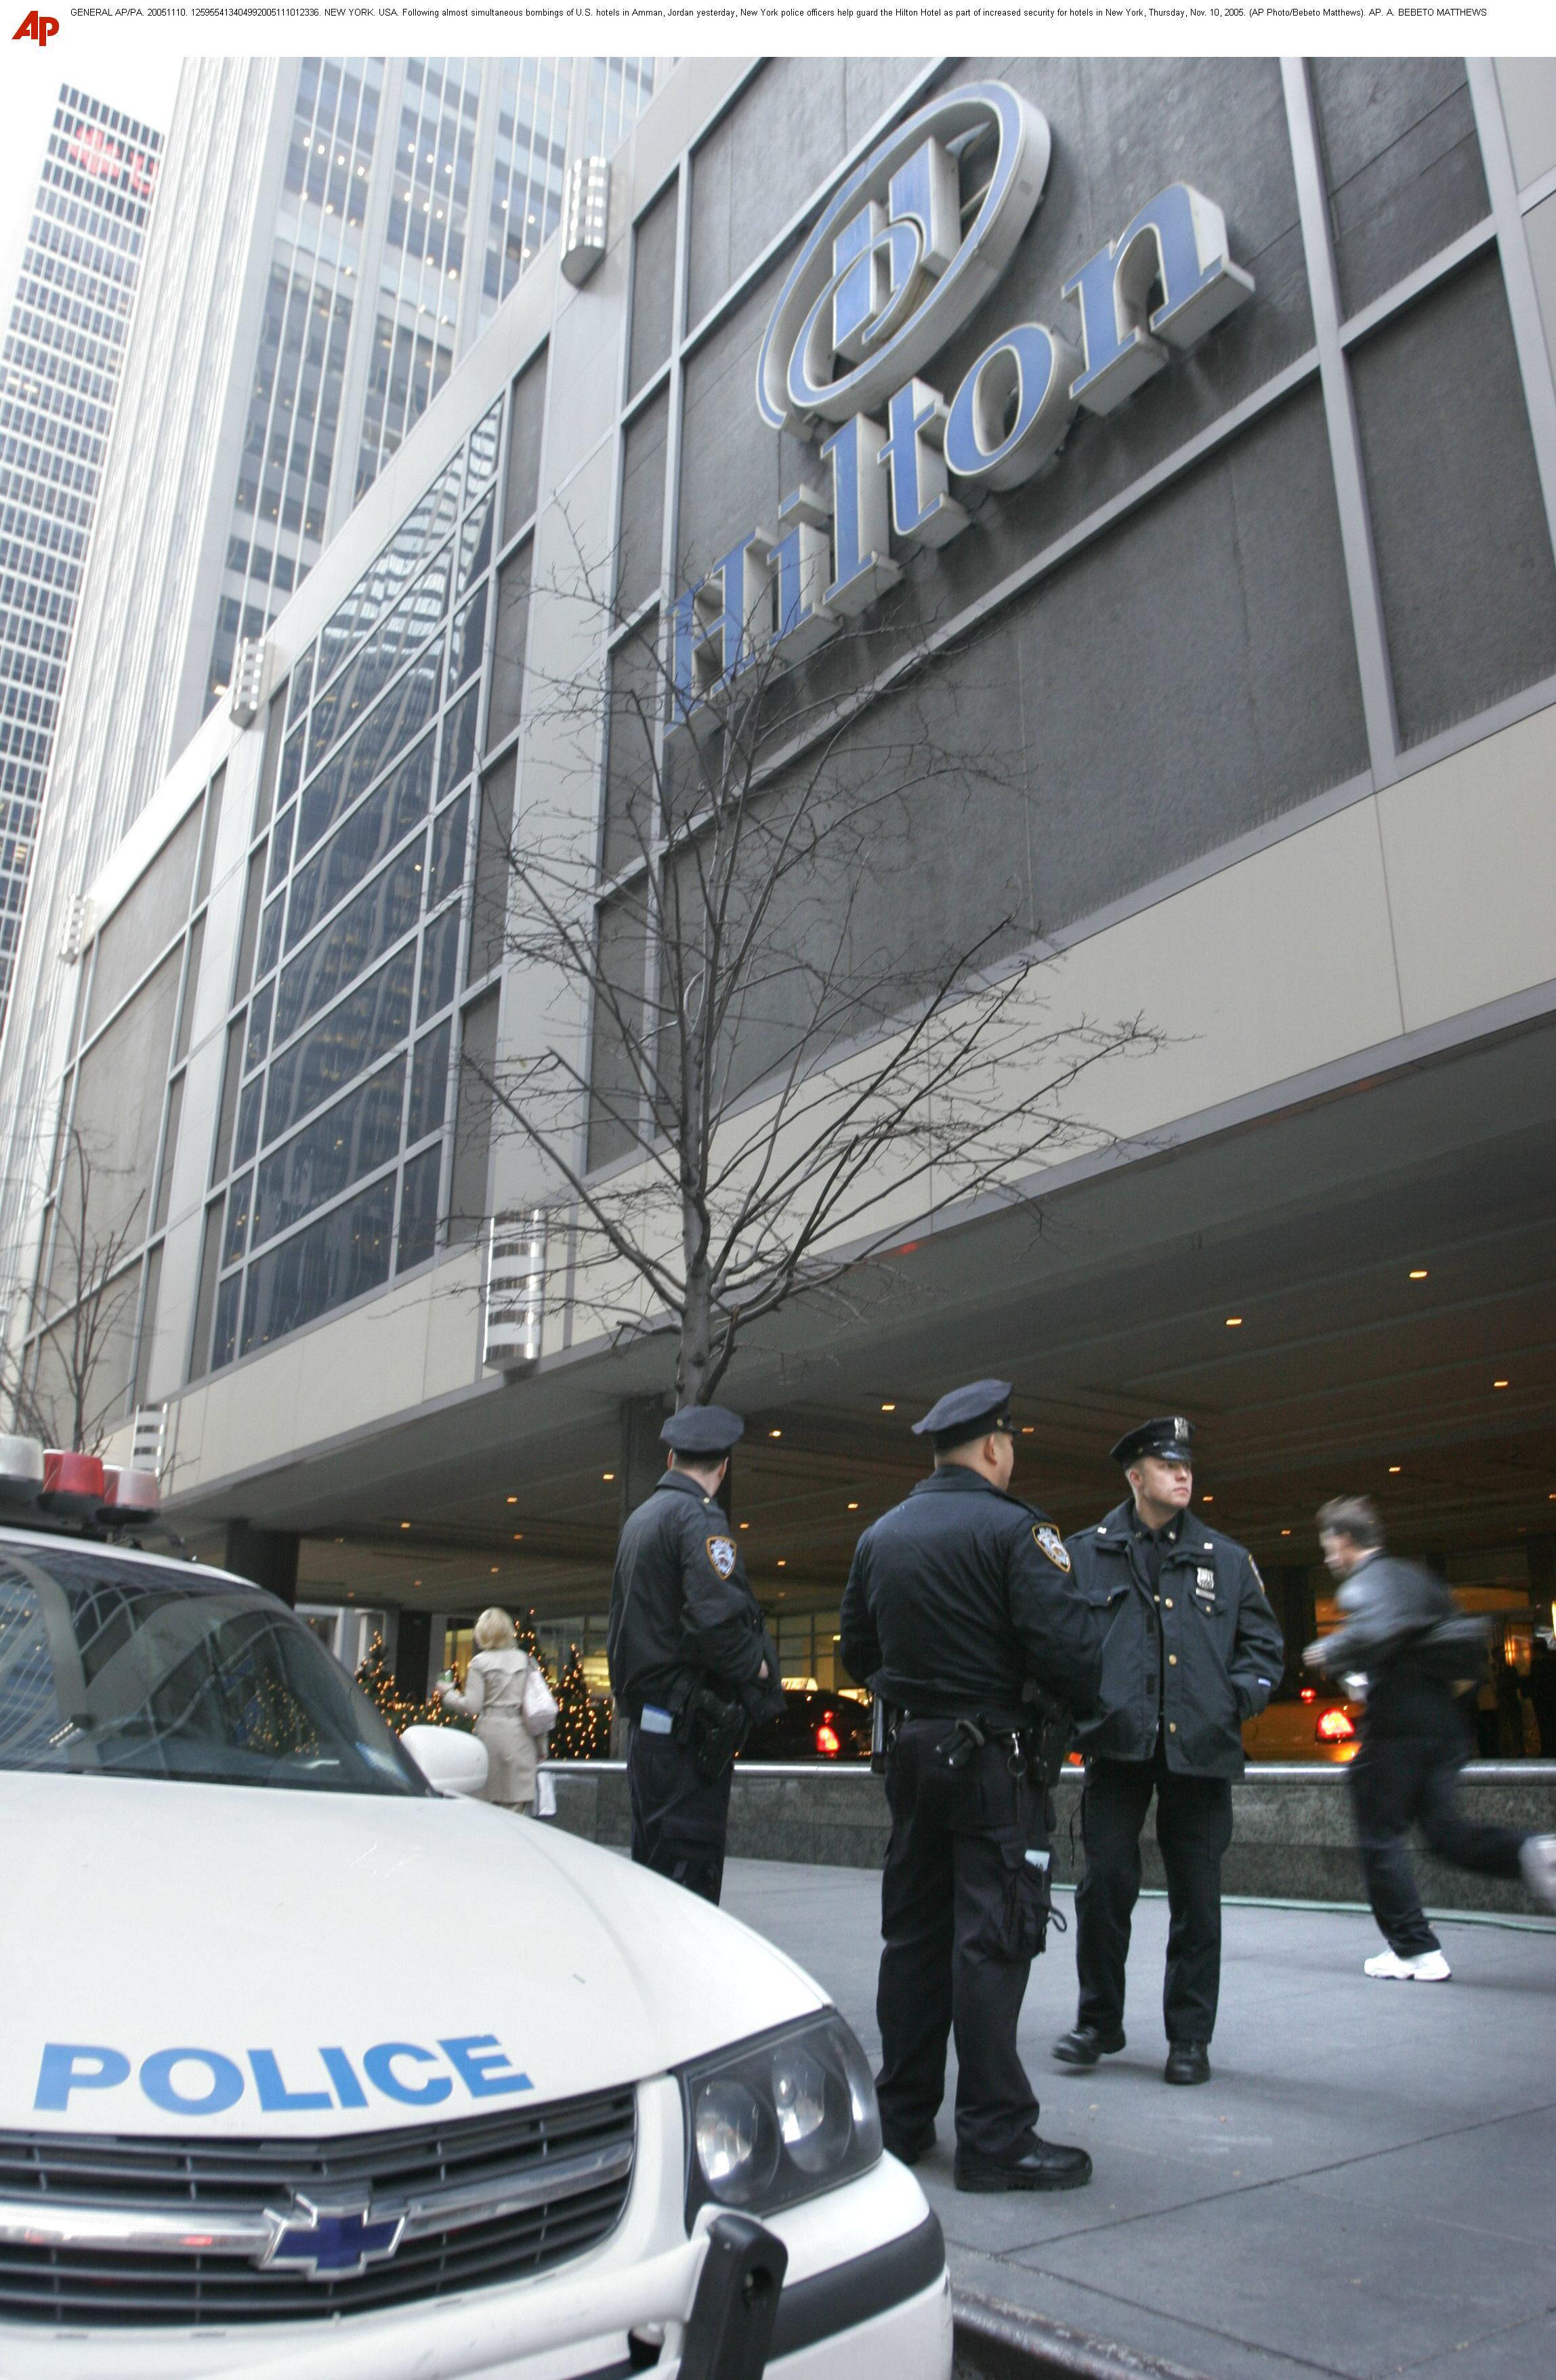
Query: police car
[{"x": 313, "y": 2065}]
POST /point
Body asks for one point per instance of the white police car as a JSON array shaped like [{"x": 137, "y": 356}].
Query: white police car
[{"x": 309, "y": 2068}]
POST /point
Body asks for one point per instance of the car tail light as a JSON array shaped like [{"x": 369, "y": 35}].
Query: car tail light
[
  {"x": 1335, "y": 1727},
  {"x": 829, "y": 1743},
  {"x": 1309, "y": 1694}
]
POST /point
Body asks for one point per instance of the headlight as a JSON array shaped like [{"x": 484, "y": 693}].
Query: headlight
[{"x": 780, "y": 2118}]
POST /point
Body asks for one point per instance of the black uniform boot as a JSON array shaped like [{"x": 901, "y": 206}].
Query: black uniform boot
[
  {"x": 1085, "y": 2045},
  {"x": 1187, "y": 2061},
  {"x": 1042, "y": 2165}
]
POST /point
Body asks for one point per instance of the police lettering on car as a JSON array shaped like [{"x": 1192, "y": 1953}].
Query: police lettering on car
[
  {"x": 961, "y": 1614},
  {"x": 691, "y": 1665},
  {"x": 1193, "y": 1649}
]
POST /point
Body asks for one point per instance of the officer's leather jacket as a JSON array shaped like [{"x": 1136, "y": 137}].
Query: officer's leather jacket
[
  {"x": 682, "y": 1610},
  {"x": 958, "y": 1596},
  {"x": 1218, "y": 1634}
]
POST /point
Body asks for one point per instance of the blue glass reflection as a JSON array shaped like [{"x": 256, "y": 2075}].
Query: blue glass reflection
[
  {"x": 380, "y": 587},
  {"x": 406, "y": 628},
  {"x": 355, "y": 1035},
  {"x": 458, "y": 753},
  {"x": 440, "y": 965},
  {"x": 371, "y": 830},
  {"x": 365, "y": 926},
  {"x": 450, "y": 832},
  {"x": 380, "y": 738},
  {"x": 418, "y": 1209},
  {"x": 338, "y": 1257},
  {"x": 429, "y": 1085},
  {"x": 360, "y": 1133}
]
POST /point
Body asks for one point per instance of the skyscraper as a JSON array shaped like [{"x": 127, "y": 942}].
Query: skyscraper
[
  {"x": 330, "y": 237},
  {"x": 59, "y": 383}
]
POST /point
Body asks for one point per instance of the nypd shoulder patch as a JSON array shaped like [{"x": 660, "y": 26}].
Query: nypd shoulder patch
[
  {"x": 1049, "y": 1541},
  {"x": 721, "y": 1553}
]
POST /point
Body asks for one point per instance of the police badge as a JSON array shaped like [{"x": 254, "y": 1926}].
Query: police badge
[
  {"x": 1053, "y": 1545},
  {"x": 721, "y": 1553},
  {"x": 1205, "y": 1584}
]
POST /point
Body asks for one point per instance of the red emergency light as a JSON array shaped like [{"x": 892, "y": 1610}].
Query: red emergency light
[{"x": 1335, "y": 1727}]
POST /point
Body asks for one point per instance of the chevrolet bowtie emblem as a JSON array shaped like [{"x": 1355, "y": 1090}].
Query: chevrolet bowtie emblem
[{"x": 330, "y": 2244}]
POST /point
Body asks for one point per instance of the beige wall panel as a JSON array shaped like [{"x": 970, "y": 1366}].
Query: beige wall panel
[
  {"x": 673, "y": 119},
  {"x": 451, "y": 1345},
  {"x": 175, "y": 1315},
  {"x": 585, "y": 368},
  {"x": 250, "y": 1415},
  {"x": 363, "y": 1365},
  {"x": 1470, "y": 847}
]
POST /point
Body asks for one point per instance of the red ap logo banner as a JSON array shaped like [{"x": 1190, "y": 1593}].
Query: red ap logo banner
[{"x": 35, "y": 28}]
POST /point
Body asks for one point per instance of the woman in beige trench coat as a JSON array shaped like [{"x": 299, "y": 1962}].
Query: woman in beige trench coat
[{"x": 493, "y": 1698}]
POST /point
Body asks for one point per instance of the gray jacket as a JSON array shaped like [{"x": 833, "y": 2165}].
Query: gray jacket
[{"x": 1384, "y": 1603}]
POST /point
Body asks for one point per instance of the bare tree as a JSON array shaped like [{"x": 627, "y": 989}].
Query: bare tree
[
  {"x": 742, "y": 1087},
  {"x": 59, "y": 1382}
]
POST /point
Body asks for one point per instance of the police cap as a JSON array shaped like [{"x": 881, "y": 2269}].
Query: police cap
[
  {"x": 964, "y": 1413},
  {"x": 1171, "y": 1435},
  {"x": 702, "y": 1430}
]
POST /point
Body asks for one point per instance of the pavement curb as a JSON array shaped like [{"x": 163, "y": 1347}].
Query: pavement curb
[{"x": 996, "y": 2341}]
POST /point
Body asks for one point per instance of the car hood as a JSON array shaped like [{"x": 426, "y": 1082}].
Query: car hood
[{"x": 181, "y": 1958}]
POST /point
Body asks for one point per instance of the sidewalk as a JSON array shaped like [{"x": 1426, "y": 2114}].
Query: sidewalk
[{"x": 1367, "y": 2186}]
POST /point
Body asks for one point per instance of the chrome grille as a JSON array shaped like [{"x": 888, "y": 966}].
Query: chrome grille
[{"x": 448, "y": 2174}]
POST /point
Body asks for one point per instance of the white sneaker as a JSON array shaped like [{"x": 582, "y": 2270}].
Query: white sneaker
[
  {"x": 1538, "y": 1860},
  {"x": 1430, "y": 1967}
]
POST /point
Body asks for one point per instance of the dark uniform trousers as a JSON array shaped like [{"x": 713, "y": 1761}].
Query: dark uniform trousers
[
  {"x": 1412, "y": 1747},
  {"x": 678, "y": 1819},
  {"x": 1193, "y": 1829},
  {"x": 962, "y": 1911}
]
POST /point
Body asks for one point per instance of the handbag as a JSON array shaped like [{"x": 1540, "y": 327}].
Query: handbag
[{"x": 540, "y": 1703}]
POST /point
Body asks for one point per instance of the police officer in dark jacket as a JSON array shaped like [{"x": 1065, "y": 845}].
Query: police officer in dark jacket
[
  {"x": 1400, "y": 1627},
  {"x": 691, "y": 1664},
  {"x": 959, "y": 1605},
  {"x": 1193, "y": 1649}
]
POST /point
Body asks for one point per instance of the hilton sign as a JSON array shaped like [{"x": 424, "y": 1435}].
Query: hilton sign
[{"x": 892, "y": 269}]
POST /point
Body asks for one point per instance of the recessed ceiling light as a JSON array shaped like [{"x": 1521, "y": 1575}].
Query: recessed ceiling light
[
  {"x": 1234, "y": 1322},
  {"x": 1420, "y": 1273},
  {"x": 853, "y": 1508},
  {"x": 1393, "y": 1468},
  {"x": 1501, "y": 1384},
  {"x": 745, "y": 1524},
  {"x": 517, "y": 1535},
  {"x": 1285, "y": 1532},
  {"x": 1028, "y": 1429},
  {"x": 512, "y": 1499},
  {"x": 892, "y": 1408},
  {"x": 607, "y": 1474},
  {"x": 493, "y": 1570},
  {"x": 775, "y": 1433},
  {"x": 782, "y": 1563},
  {"x": 1207, "y": 1499},
  {"x": 405, "y": 1524}
]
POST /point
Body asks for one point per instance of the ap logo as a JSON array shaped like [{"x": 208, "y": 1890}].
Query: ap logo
[
  {"x": 889, "y": 272},
  {"x": 34, "y": 27}
]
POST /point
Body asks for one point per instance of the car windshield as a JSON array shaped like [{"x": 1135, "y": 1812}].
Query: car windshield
[{"x": 114, "y": 1668}]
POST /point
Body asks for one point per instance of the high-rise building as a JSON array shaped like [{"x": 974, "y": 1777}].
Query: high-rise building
[
  {"x": 331, "y": 235},
  {"x": 59, "y": 383}
]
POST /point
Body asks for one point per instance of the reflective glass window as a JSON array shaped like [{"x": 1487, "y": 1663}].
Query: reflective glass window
[
  {"x": 381, "y": 738},
  {"x": 370, "y": 831},
  {"x": 440, "y": 960},
  {"x": 429, "y": 1085},
  {"x": 355, "y": 1035},
  {"x": 270, "y": 935},
  {"x": 258, "y": 1028},
  {"x": 380, "y": 912},
  {"x": 302, "y": 687},
  {"x": 450, "y": 833},
  {"x": 247, "y": 1137},
  {"x": 464, "y": 645},
  {"x": 241, "y": 1200},
  {"x": 458, "y": 743},
  {"x": 484, "y": 439},
  {"x": 359, "y": 686},
  {"x": 360, "y": 1133},
  {"x": 380, "y": 587},
  {"x": 224, "y": 1338},
  {"x": 291, "y": 766},
  {"x": 281, "y": 849},
  {"x": 321, "y": 1266},
  {"x": 418, "y": 1209},
  {"x": 475, "y": 545}
]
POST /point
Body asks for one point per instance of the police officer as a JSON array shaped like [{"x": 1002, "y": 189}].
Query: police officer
[
  {"x": 690, "y": 1661},
  {"x": 958, "y": 1598},
  {"x": 1193, "y": 1650}
]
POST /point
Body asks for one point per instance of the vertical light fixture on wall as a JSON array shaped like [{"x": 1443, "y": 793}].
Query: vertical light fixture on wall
[
  {"x": 585, "y": 213},
  {"x": 515, "y": 1286}
]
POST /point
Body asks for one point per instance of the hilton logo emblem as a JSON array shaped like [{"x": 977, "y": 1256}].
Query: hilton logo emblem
[{"x": 902, "y": 257}]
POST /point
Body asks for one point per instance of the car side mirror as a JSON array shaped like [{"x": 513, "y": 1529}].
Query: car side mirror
[{"x": 449, "y": 1760}]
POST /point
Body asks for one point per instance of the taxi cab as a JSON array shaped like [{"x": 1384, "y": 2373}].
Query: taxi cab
[{"x": 312, "y": 2066}]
